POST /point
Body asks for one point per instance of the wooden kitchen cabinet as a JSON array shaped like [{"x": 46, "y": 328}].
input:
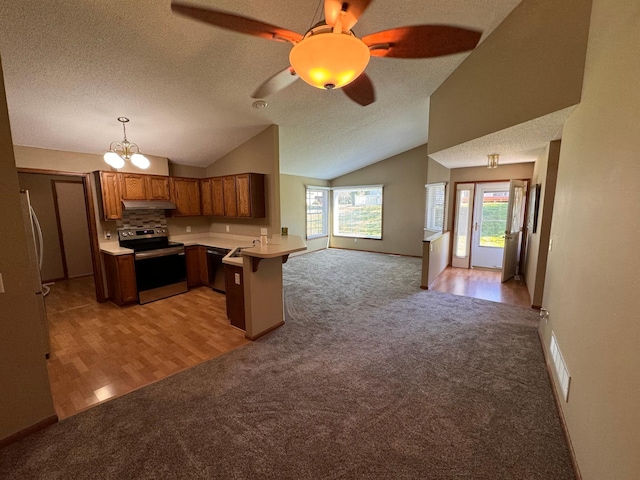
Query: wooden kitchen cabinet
[
  {"x": 109, "y": 186},
  {"x": 206, "y": 195},
  {"x": 234, "y": 286},
  {"x": 134, "y": 186},
  {"x": 229, "y": 196},
  {"x": 185, "y": 193},
  {"x": 157, "y": 187},
  {"x": 250, "y": 195},
  {"x": 217, "y": 189},
  {"x": 197, "y": 273},
  {"x": 121, "y": 279}
]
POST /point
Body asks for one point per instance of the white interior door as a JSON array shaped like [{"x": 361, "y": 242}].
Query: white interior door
[
  {"x": 463, "y": 221},
  {"x": 490, "y": 219},
  {"x": 513, "y": 230}
]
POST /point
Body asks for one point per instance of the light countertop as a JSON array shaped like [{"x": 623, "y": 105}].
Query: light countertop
[{"x": 277, "y": 245}]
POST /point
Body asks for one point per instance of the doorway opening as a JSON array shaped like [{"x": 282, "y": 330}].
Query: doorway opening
[{"x": 488, "y": 223}]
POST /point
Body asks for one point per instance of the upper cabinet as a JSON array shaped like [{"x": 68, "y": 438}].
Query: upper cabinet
[
  {"x": 234, "y": 196},
  {"x": 231, "y": 196},
  {"x": 111, "y": 195},
  {"x": 134, "y": 186},
  {"x": 218, "y": 196},
  {"x": 157, "y": 187},
  {"x": 206, "y": 196},
  {"x": 185, "y": 193},
  {"x": 250, "y": 195}
]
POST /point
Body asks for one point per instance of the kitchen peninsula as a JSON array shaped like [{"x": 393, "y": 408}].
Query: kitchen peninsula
[{"x": 261, "y": 277}]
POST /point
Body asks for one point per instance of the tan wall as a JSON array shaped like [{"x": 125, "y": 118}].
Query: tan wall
[
  {"x": 404, "y": 177},
  {"x": 293, "y": 210},
  {"x": 260, "y": 154},
  {"x": 25, "y": 396},
  {"x": 41, "y": 158},
  {"x": 537, "y": 249},
  {"x": 531, "y": 65},
  {"x": 435, "y": 258},
  {"x": 592, "y": 285},
  {"x": 189, "y": 171},
  {"x": 484, "y": 174}
]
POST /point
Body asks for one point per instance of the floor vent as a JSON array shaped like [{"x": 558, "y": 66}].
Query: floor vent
[{"x": 561, "y": 368}]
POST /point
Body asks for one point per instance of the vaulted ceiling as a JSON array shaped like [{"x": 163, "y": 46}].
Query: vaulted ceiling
[{"x": 71, "y": 67}]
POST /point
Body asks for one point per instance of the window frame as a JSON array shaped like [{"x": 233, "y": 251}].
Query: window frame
[
  {"x": 431, "y": 208},
  {"x": 325, "y": 211},
  {"x": 335, "y": 211}
]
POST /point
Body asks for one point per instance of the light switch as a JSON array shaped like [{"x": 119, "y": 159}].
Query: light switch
[
  {"x": 550, "y": 244},
  {"x": 188, "y": 229},
  {"x": 237, "y": 278}
]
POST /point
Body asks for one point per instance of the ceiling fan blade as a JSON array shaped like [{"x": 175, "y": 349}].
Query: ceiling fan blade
[
  {"x": 236, "y": 23},
  {"x": 353, "y": 10},
  {"x": 277, "y": 82},
  {"x": 361, "y": 90},
  {"x": 421, "y": 41}
]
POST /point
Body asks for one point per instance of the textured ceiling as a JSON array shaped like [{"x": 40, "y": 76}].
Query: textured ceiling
[
  {"x": 518, "y": 144},
  {"x": 71, "y": 67}
]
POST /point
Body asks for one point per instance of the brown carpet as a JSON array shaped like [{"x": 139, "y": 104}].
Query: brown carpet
[{"x": 370, "y": 378}]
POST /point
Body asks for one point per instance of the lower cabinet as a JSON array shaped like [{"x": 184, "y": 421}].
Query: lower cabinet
[
  {"x": 197, "y": 273},
  {"x": 121, "y": 279},
  {"x": 234, "y": 285}
]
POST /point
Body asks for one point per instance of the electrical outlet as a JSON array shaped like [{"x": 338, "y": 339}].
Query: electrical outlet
[
  {"x": 107, "y": 235},
  {"x": 355, "y": 240},
  {"x": 227, "y": 228},
  {"x": 188, "y": 229},
  {"x": 1, "y": 284},
  {"x": 263, "y": 231},
  {"x": 237, "y": 278}
]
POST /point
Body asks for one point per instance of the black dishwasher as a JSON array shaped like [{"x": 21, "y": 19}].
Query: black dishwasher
[{"x": 216, "y": 268}]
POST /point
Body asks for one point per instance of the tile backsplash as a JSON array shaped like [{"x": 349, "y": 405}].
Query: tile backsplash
[{"x": 142, "y": 219}]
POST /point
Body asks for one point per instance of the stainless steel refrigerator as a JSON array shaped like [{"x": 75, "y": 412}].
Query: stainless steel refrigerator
[{"x": 36, "y": 249}]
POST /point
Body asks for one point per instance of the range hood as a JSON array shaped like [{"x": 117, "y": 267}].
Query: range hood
[{"x": 148, "y": 205}]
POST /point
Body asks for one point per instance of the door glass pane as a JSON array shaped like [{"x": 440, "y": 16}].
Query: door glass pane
[
  {"x": 494, "y": 218},
  {"x": 461, "y": 247},
  {"x": 516, "y": 219}
]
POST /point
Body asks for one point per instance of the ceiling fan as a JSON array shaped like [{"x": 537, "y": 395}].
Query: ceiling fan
[{"x": 330, "y": 56}]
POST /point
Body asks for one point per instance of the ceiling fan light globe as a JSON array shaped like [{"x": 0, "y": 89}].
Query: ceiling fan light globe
[
  {"x": 140, "y": 161},
  {"x": 329, "y": 59},
  {"x": 114, "y": 160}
]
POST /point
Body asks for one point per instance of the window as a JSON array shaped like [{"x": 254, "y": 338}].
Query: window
[
  {"x": 317, "y": 212},
  {"x": 357, "y": 211},
  {"x": 434, "y": 211}
]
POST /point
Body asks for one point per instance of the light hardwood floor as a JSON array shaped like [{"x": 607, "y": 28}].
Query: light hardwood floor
[
  {"x": 100, "y": 351},
  {"x": 484, "y": 284}
]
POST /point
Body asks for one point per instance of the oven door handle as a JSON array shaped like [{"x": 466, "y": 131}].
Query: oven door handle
[{"x": 160, "y": 252}]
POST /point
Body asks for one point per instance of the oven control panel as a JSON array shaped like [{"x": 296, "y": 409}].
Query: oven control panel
[{"x": 139, "y": 233}]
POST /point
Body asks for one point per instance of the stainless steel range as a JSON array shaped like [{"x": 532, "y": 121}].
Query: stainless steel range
[{"x": 160, "y": 264}]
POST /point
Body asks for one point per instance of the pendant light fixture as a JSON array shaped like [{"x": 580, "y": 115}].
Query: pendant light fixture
[
  {"x": 125, "y": 151},
  {"x": 492, "y": 160}
]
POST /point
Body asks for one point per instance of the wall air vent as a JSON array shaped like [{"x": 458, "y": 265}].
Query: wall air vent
[{"x": 560, "y": 367}]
